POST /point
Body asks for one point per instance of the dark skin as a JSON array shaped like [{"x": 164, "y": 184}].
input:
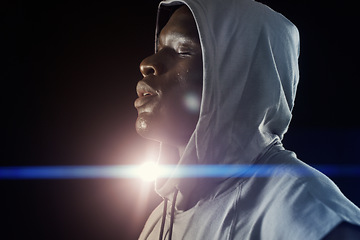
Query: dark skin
[
  {"x": 169, "y": 75},
  {"x": 172, "y": 74}
]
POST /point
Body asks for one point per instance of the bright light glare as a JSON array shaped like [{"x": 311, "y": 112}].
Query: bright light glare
[{"x": 148, "y": 171}]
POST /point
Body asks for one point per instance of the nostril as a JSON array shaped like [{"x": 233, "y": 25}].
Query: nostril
[{"x": 147, "y": 70}]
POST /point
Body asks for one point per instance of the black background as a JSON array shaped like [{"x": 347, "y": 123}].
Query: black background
[{"x": 68, "y": 86}]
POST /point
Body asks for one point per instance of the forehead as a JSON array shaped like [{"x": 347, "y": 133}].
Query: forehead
[{"x": 180, "y": 25}]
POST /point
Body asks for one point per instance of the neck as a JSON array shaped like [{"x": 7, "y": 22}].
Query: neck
[{"x": 171, "y": 154}]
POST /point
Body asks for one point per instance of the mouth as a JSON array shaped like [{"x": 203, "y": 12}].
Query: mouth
[
  {"x": 145, "y": 94},
  {"x": 144, "y": 90}
]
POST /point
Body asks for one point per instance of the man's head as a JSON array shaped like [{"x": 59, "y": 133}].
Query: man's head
[{"x": 170, "y": 92}]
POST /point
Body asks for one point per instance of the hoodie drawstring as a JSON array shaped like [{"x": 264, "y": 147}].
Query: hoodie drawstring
[
  {"x": 172, "y": 213},
  {"x": 172, "y": 216},
  {"x": 163, "y": 219}
]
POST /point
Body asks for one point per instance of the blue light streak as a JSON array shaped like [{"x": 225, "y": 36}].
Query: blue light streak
[{"x": 189, "y": 171}]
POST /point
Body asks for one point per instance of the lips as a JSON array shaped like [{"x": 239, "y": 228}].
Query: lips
[
  {"x": 142, "y": 101},
  {"x": 145, "y": 93},
  {"x": 143, "y": 89}
]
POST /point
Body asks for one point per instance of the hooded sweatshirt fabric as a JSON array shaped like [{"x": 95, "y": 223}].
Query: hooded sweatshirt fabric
[{"x": 250, "y": 75}]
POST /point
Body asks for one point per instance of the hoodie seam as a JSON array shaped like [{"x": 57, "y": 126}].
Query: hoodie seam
[{"x": 234, "y": 220}]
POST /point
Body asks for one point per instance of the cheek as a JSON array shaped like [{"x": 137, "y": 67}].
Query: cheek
[
  {"x": 181, "y": 107},
  {"x": 191, "y": 90},
  {"x": 183, "y": 86},
  {"x": 190, "y": 74}
]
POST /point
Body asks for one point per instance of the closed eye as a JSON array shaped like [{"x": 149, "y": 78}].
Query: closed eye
[{"x": 184, "y": 53}]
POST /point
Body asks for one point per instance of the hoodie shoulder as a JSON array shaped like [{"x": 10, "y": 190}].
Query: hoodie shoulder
[{"x": 292, "y": 206}]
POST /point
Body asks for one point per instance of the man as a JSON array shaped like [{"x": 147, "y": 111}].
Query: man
[{"x": 237, "y": 62}]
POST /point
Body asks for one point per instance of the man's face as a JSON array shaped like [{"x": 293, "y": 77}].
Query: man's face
[{"x": 170, "y": 92}]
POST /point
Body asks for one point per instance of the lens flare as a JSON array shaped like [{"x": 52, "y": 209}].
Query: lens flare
[
  {"x": 148, "y": 171},
  {"x": 192, "y": 102}
]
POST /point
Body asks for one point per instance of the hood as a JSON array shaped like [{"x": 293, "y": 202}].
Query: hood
[{"x": 250, "y": 75}]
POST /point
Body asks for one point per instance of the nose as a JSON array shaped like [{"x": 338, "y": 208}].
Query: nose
[{"x": 151, "y": 66}]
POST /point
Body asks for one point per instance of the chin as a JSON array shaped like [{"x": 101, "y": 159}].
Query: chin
[
  {"x": 146, "y": 129},
  {"x": 142, "y": 126},
  {"x": 150, "y": 127}
]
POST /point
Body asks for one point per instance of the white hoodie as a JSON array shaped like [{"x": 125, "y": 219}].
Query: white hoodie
[{"x": 250, "y": 75}]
